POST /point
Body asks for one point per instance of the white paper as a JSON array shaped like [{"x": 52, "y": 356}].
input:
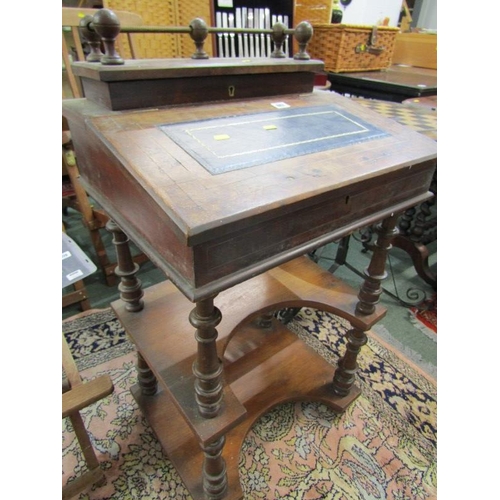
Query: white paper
[{"x": 280, "y": 105}]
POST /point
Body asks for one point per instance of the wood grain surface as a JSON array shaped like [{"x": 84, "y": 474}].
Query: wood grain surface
[{"x": 200, "y": 228}]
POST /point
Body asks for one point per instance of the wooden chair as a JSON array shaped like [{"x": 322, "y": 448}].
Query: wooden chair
[
  {"x": 72, "y": 48},
  {"x": 76, "y": 396},
  {"x": 406, "y": 19}
]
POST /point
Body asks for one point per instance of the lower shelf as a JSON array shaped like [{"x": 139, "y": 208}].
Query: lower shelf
[
  {"x": 287, "y": 370},
  {"x": 263, "y": 367}
]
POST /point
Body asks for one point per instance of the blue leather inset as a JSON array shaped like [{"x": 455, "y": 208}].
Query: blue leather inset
[{"x": 232, "y": 143}]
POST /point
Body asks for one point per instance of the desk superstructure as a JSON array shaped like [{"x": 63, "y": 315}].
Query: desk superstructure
[{"x": 232, "y": 238}]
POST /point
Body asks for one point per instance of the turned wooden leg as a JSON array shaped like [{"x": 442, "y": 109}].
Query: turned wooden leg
[
  {"x": 370, "y": 291},
  {"x": 130, "y": 287},
  {"x": 131, "y": 293},
  {"x": 208, "y": 392},
  {"x": 207, "y": 368},
  {"x": 214, "y": 470},
  {"x": 145, "y": 377},
  {"x": 406, "y": 221},
  {"x": 265, "y": 321},
  {"x": 345, "y": 374},
  {"x": 368, "y": 296}
]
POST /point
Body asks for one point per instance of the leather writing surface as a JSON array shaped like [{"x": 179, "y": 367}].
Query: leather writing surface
[{"x": 232, "y": 143}]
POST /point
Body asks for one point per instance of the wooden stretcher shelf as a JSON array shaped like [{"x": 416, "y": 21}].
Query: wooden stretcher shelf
[{"x": 263, "y": 366}]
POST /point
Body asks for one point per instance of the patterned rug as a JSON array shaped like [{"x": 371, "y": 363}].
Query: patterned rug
[{"x": 382, "y": 447}]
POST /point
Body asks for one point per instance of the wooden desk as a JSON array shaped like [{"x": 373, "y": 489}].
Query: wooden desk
[
  {"x": 396, "y": 83},
  {"x": 233, "y": 242}
]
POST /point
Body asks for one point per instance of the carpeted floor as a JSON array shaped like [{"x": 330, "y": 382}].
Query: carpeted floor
[{"x": 382, "y": 447}]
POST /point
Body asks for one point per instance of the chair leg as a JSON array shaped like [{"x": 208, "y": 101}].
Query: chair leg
[
  {"x": 73, "y": 399},
  {"x": 84, "y": 440},
  {"x": 79, "y": 295},
  {"x": 94, "y": 474}
]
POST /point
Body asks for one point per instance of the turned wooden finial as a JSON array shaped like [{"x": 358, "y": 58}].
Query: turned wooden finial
[
  {"x": 107, "y": 26},
  {"x": 92, "y": 38},
  {"x": 199, "y": 32},
  {"x": 279, "y": 37},
  {"x": 303, "y": 33}
]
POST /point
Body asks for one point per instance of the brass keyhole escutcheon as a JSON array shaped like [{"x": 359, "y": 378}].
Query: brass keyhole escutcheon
[{"x": 231, "y": 89}]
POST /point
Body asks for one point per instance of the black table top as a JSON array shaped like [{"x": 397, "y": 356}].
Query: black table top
[{"x": 395, "y": 83}]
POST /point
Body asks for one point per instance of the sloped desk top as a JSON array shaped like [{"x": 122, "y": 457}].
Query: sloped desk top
[{"x": 209, "y": 231}]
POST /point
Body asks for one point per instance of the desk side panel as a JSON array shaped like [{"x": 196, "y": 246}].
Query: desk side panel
[{"x": 128, "y": 203}]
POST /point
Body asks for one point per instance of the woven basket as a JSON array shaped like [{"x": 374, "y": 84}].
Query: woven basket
[
  {"x": 163, "y": 13},
  {"x": 345, "y": 48}
]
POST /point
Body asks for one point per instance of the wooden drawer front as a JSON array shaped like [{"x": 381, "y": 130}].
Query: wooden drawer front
[
  {"x": 125, "y": 95},
  {"x": 280, "y": 235}
]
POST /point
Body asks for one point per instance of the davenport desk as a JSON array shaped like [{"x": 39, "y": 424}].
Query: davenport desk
[{"x": 237, "y": 173}]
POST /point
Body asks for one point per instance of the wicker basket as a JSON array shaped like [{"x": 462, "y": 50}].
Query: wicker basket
[{"x": 345, "y": 48}]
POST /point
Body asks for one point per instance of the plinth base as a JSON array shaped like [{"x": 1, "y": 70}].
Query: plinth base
[
  {"x": 287, "y": 370},
  {"x": 263, "y": 366}
]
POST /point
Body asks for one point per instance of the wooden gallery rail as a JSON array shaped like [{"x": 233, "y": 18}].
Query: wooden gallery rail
[{"x": 105, "y": 26}]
